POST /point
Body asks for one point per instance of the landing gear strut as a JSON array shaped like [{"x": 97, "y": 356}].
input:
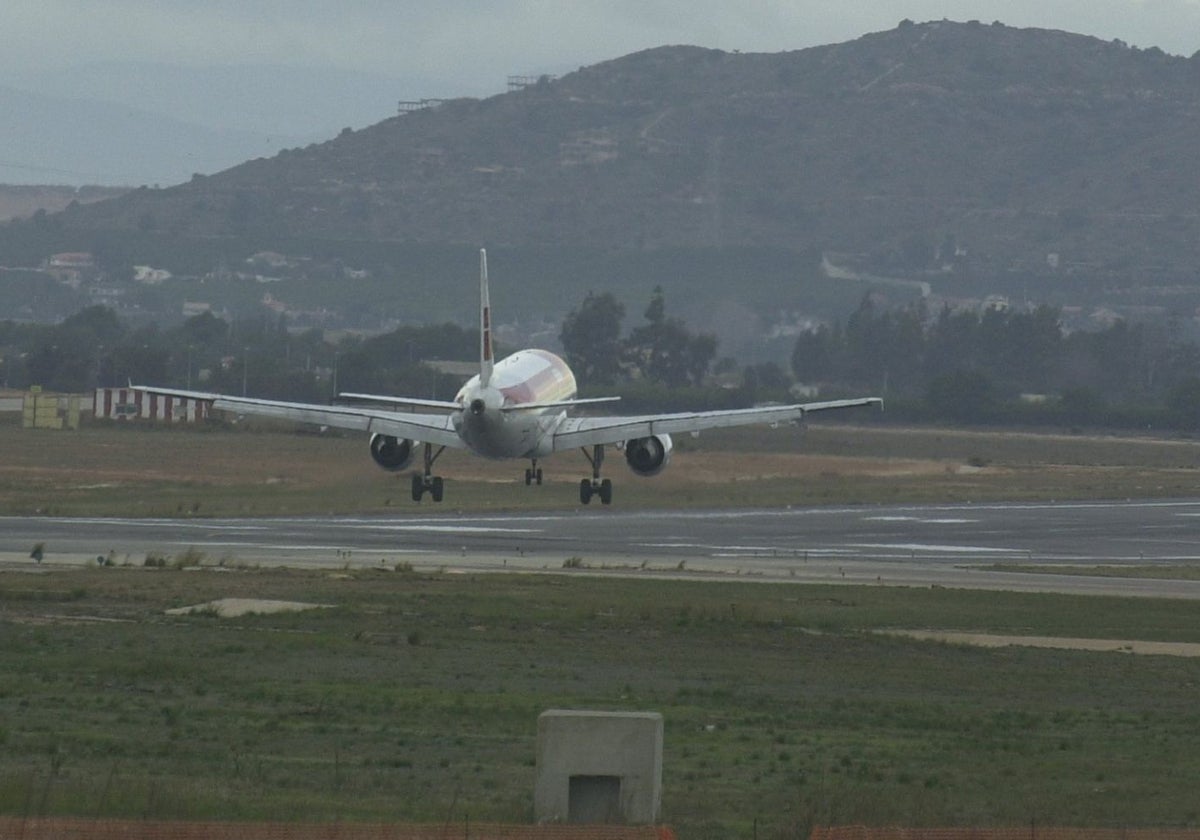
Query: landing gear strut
[
  {"x": 533, "y": 475},
  {"x": 427, "y": 480},
  {"x": 594, "y": 486}
]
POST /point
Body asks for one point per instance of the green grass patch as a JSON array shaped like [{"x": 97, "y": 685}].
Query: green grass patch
[{"x": 416, "y": 698}]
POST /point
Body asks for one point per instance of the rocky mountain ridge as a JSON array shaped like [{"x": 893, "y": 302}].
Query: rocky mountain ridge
[{"x": 1016, "y": 147}]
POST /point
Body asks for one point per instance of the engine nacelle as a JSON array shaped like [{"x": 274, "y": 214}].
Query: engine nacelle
[
  {"x": 391, "y": 453},
  {"x": 648, "y": 455}
]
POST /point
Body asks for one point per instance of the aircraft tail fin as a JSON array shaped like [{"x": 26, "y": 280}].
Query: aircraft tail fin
[{"x": 486, "y": 362}]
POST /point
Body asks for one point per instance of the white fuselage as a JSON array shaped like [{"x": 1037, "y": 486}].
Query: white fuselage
[{"x": 527, "y": 377}]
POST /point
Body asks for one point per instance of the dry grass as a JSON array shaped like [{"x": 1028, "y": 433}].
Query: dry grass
[{"x": 106, "y": 470}]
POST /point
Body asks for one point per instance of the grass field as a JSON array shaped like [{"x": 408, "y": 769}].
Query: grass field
[
  {"x": 217, "y": 471},
  {"x": 416, "y": 697}
]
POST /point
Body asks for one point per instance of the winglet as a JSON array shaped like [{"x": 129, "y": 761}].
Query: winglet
[{"x": 485, "y": 323}]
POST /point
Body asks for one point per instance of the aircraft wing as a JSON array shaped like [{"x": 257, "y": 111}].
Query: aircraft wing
[
  {"x": 427, "y": 428},
  {"x": 575, "y": 432}
]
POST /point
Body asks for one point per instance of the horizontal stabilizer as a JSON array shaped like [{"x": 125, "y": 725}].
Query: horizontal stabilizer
[
  {"x": 559, "y": 404},
  {"x": 383, "y": 399}
]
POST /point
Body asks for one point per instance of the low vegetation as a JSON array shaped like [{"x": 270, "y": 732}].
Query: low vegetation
[
  {"x": 416, "y": 698},
  {"x": 261, "y": 469}
]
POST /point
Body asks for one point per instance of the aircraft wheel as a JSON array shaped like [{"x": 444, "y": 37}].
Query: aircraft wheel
[
  {"x": 606, "y": 492},
  {"x": 418, "y": 487},
  {"x": 585, "y": 491},
  {"x": 529, "y": 477},
  {"x": 436, "y": 488},
  {"x": 537, "y": 476}
]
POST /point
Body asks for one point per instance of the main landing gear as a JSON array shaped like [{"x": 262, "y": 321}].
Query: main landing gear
[
  {"x": 428, "y": 481},
  {"x": 594, "y": 486},
  {"x": 533, "y": 475}
]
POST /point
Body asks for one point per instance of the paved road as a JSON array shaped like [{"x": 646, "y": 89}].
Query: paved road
[{"x": 949, "y": 545}]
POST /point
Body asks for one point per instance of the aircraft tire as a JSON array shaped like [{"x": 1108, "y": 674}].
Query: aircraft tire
[
  {"x": 418, "y": 487},
  {"x": 606, "y": 492},
  {"x": 528, "y": 476},
  {"x": 585, "y": 491},
  {"x": 537, "y": 476},
  {"x": 436, "y": 488}
]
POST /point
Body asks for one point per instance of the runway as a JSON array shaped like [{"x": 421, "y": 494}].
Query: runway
[{"x": 916, "y": 545}]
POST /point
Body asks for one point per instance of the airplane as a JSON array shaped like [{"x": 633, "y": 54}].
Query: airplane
[{"x": 513, "y": 408}]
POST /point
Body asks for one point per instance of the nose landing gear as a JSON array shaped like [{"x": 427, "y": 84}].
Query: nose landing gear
[{"x": 533, "y": 475}]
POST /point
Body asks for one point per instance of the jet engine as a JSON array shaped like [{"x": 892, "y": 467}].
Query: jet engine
[
  {"x": 648, "y": 455},
  {"x": 393, "y": 454}
]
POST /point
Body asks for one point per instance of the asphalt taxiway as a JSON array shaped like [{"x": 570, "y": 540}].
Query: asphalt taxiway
[{"x": 926, "y": 545}]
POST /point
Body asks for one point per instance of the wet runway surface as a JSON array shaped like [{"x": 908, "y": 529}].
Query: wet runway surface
[{"x": 949, "y": 545}]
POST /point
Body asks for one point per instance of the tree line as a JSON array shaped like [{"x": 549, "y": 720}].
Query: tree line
[
  {"x": 257, "y": 356},
  {"x": 261, "y": 357},
  {"x": 662, "y": 350},
  {"x": 1000, "y": 365},
  {"x": 990, "y": 366}
]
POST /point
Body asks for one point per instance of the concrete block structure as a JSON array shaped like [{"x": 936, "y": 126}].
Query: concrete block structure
[
  {"x": 49, "y": 411},
  {"x": 599, "y": 767}
]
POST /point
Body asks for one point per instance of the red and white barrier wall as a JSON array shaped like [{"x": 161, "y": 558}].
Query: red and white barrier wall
[{"x": 129, "y": 403}]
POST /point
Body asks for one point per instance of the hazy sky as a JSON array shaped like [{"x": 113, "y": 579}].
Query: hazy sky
[
  {"x": 202, "y": 85},
  {"x": 470, "y": 46}
]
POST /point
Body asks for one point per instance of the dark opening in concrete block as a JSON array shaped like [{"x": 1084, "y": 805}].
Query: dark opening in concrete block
[{"x": 594, "y": 799}]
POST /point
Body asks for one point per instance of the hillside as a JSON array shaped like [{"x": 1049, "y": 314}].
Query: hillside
[
  {"x": 1014, "y": 144},
  {"x": 958, "y": 161}
]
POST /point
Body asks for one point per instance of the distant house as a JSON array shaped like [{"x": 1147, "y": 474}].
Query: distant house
[
  {"x": 71, "y": 268},
  {"x": 270, "y": 259},
  {"x": 192, "y": 308},
  {"x": 105, "y": 294},
  {"x": 150, "y": 276},
  {"x": 273, "y": 303},
  {"x": 77, "y": 260}
]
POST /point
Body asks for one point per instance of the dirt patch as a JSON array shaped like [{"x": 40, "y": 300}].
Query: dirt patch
[
  {"x": 1186, "y": 649},
  {"x": 719, "y": 467},
  {"x": 234, "y": 607}
]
